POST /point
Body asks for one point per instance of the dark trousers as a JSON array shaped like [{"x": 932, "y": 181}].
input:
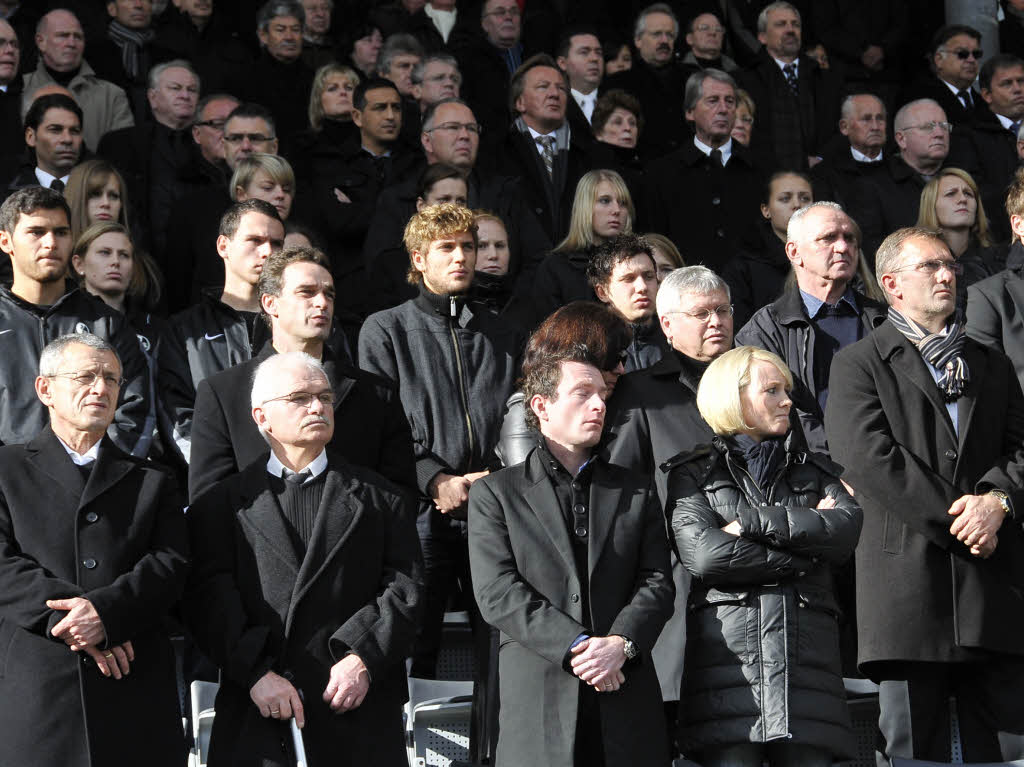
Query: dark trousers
[{"x": 914, "y": 702}]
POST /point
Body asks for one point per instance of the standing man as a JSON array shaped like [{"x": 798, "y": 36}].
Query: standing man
[
  {"x": 84, "y": 603},
  {"x": 820, "y": 314},
  {"x": 929, "y": 426},
  {"x": 454, "y": 366},
  {"x": 705, "y": 35},
  {"x": 305, "y": 588},
  {"x": 579, "y": 56},
  {"x": 954, "y": 57},
  {"x": 208, "y": 133},
  {"x": 53, "y": 135},
  {"x": 435, "y": 77},
  {"x": 10, "y": 87},
  {"x": 570, "y": 563},
  {"x": 840, "y": 175}
]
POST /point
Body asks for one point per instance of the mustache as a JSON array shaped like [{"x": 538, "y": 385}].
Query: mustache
[{"x": 313, "y": 420}]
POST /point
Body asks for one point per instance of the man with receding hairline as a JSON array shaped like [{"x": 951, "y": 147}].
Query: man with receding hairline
[
  {"x": 10, "y": 86},
  {"x": 862, "y": 121}
]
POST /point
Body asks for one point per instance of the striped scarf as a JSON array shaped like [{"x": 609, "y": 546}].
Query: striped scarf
[
  {"x": 943, "y": 352},
  {"x": 131, "y": 42}
]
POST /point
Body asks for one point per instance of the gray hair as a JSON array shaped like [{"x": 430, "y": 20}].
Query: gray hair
[
  {"x": 431, "y": 113},
  {"x": 846, "y": 110},
  {"x": 263, "y": 378},
  {"x": 155, "y": 73},
  {"x": 397, "y": 45},
  {"x": 641, "y": 20},
  {"x": 53, "y": 353},
  {"x": 430, "y": 58},
  {"x": 695, "y": 86},
  {"x": 891, "y": 250},
  {"x": 762, "y": 17},
  {"x": 794, "y": 228},
  {"x": 684, "y": 280},
  {"x": 901, "y": 115},
  {"x": 273, "y": 9}
]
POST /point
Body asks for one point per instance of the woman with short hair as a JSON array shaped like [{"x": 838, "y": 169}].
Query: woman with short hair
[{"x": 266, "y": 177}]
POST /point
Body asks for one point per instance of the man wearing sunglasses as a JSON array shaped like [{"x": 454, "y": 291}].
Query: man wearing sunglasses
[
  {"x": 929, "y": 426},
  {"x": 955, "y": 56}
]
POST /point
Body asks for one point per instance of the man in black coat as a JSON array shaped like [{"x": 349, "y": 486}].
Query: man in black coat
[
  {"x": 297, "y": 298},
  {"x": 93, "y": 556},
  {"x": 53, "y": 141},
  {"x": 305, "y": 588},
  {"x": 856, "y": 156},
  {"x": 570, "y": 563},
  {"x": 953, "y": 57},
  {"x": 720, "y": 183},
  {"x": 929, "y": 426},
  {"x": 11, "y": 131}
]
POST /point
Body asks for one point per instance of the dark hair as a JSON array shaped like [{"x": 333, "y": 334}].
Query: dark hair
[
  {"x": 35, "y": 114},
  {"x": 273, "y": 9},
  {"x": 434, "y": 173},
  {"x": 997, "y": 62},
  {"x": 612, "y": 252},
  {"x": 230, "y": 221},
  {"x": 611, "y": 47},
  {"x": 252, "y": 111},
  {"x": 574, "y": 30},
  {"x": 291, "y": 226},
  {"x": 545, "y": 373},
  {"x": 28, "y": 201},
  {"x": 589, "y": 323},
  {"x": 946, "y": 33},
  {"x": 355, "y": 30},
  {"x": 766, "y": 190},
  {"x": 272, "y": 277},
  {"x": 518, "y": 82},
  {"x": 205, "y": 101},
  {"x": 369, "y": 84},
  {"x": 609, "y": 102}
]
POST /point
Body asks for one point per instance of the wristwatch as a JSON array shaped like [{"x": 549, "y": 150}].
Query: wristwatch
[
  {"x": 629, "y": 648},
  {"x": 1003, "y": 498}
]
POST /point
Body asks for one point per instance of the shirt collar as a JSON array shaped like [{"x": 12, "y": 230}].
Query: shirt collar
[
  {"x": 3, "y": 88},
  {"x": 954, "y": 90},
  {"x": 45, "y": 179},
  {"x": 535, "y": 135},
  {"x": 783, "y": 64},
  {"x": 375, "y": 156},
  {"x": 725, "y": 149},
  {"x": 82, "y": 459},
  {"x": 813, "y": 305},
  {"x": 1006, "y": 122},
  {"x": 861, "y": 157},
  {"x": 316, "y": 467}
]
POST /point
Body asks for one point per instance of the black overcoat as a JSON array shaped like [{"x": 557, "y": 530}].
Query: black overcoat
[{"x": 120, "y": 542}]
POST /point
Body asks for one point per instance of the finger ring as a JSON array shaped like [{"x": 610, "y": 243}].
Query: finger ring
[
  {"x": 108, "y": 655},
  {"x": 275, "y": 711}
]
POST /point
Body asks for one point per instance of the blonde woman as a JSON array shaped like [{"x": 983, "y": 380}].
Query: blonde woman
[
  {"x": 95, "y": 193},
  {"x": 266, "y": 177},
  {"x": 759, "y": 522}
]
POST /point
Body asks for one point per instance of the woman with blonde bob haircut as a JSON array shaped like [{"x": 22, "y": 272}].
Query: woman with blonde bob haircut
[
  {"x": 95, "y": 193},
  {"x": 266, "y": 177},
  {"x": 951, "y": 204},
  {"x": 602, "y": 209},
  {"x": 760, "y": 522},
  {"x": 327, "y": 100}
]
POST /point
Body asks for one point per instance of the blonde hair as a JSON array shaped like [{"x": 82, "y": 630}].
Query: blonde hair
[
  {"x": 316, "y": 108},
  {"x": 718, "y": 396},
  {"x": 435, "y": 222},
  {"x": 87, "y": 179},
  {"x": 929, "y": 219},
  {"x": 278, "y": 168},
  {"x": 581, "y": 226}
]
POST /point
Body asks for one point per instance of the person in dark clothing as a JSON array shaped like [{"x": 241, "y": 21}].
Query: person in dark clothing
[
  {"x": 818, "y": 315},
  {"x": 53, "y": 138},
  {"x": 623, "y": 275},
  {"x": 11, "y": 131},
  {"x": 705, "y": 36},
  {"x": 579, "y": 56},
  {"x": 857, "y": 155},
  {"x": 756, "y": 513},
  {"x": 866, "y": 38},
  {"x": 953, "y": 58},
  {"x": 617, "y": 123},
  {"x": 454, "y": 366},
  {"x": 207, "y": 34},
  {"x": 318, "y": 44},
  {"x": 757, "y": 274}
]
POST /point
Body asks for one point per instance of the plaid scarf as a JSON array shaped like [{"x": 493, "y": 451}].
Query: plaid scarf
[
  {"x": 943, "y": 352},
  {"x": 130, "y": 42}
]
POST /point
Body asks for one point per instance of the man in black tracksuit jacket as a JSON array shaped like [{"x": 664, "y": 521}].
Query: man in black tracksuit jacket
[{"x": 454, "y": 364}]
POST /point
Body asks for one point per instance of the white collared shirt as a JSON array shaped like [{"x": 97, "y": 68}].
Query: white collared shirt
[
  {"x": 82, "y": 459},
  {"x": 316, "y": 467},
  {"x": 783, "y": 64},
  {"x": 45, "y": 179},
  {"x": 725, "y": 149},
  {"x": 861, "y": 157},
  {"x": 443, "y": 20},
  {"x": 586, "y": 102},
  {"x": 1006, "y": 122},
  {"x": 956, "y": 91},
  {"x": 535, "y": 135}
]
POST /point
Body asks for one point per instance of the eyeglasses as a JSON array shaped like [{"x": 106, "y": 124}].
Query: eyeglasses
[
  {"x": 614, "y": 360},
  {"x": 9, "y": 41},
  {"x": 456, "y": 127},
  {"x": 963, "y": 54},
  {"x": 931, "y": 267},
  {"x": 88, "y": 378},
  {"x": 304, "y": 399},
  {"x": 929, "y": 127},
  {"x": 715, "y": 29},
  {"x": 512, "y": 13},
  {"x": 704, "y": 315},
  {"x": 254, "y": 138},
  {"x": 215, "y": 124}
]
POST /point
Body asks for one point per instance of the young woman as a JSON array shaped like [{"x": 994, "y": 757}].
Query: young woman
[
  {"x": 95, "y": 194},
  {"x": 441, "y": 183},
  {"x": 666, "y": 255},
  {"x": 266, "y": 177}
]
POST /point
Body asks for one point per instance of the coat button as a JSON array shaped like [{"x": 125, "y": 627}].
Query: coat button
[
  {"x": 89, "y": 563},
  {"x": 577, "y": 485},
  {"x": 579, "y": 508},
  {"x": 92, "y": 516},
  {"x": 716, "y": 200},
  {"x": 720, "y": 233},
  {"x": 581, "y": 532},
  {"x": 574, "y": 598},
  {"x": 951, "y": 454},
  {"x": 539, "y": 211}
]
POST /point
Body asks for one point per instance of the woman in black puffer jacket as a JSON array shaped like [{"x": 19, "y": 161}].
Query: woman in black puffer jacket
[{"x": 758, "y": 521}]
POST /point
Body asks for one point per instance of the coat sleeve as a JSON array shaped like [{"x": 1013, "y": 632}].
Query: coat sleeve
[
  {"x": 716, "y": 557},
  {"x": 212, "y": 457},
  {"x": 129, "y": 425},
  {"x": 382, "y": 632},
  {"x": 506, "y": 600},
  {"x": 983, "y": 323},
  {"x": 138, "y": 599},
  {"x": 176, "y": 393}
]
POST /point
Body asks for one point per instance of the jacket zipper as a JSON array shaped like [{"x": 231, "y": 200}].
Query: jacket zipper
[{"x": 462, "y": 383}]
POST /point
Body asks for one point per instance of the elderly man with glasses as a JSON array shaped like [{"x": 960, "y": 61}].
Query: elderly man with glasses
[{"x": 305, "y": 588}]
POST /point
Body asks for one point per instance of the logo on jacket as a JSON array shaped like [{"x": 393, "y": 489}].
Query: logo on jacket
[
  {"x": 143, "y": 342},
  {"x": 81, "y": 327},
  {"x": 214, "y": 338}
]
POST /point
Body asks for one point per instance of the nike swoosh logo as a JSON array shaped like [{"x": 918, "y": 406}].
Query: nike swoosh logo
[
  {"x": 9, "y": 330},
  {"x": 214, "y": 338}
]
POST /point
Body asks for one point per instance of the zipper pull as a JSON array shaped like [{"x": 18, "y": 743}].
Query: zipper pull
[{"x": 451, "y": 300}]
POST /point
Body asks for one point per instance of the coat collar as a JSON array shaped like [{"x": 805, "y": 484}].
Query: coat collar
[
  {"x": 49, "y": 455},
  {"x": 789, "y": 309}
]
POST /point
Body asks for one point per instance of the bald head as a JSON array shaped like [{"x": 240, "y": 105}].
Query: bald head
[
  {"x": 60, "y": 40},
  {"x": 9, "y": 53}
]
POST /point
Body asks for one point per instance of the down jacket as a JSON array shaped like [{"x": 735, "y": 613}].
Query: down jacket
[{"x": 762, "y": 660}]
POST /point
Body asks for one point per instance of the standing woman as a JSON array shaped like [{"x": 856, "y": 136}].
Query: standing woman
[
  {"x": 759, "y": 521},
  {"x": 602, "y": 208},
  {"x": 95, "y": 194}
]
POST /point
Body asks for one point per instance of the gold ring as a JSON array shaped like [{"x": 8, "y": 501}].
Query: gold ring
[{"x": 108, "y": 655}]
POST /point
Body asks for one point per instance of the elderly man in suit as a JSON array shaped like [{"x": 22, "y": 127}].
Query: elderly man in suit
[
  {"x": 570, "y": 563},
  {"x": 929, "y": 425},
  {"x": 93, "y": 555},
  {"x": 305, "y": 589}
]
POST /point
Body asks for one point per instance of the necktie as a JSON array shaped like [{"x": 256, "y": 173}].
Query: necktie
[
  {"x": 1015, "y": 128},
  {"x": 547, "y": 145},
  {"x": 965, "y": 98},
  {"x": 57, "y": 185},
  {"x": 789, "y": 70},
  {"x": 716, "y": 158},
  {"x": 295, "y": 479}
]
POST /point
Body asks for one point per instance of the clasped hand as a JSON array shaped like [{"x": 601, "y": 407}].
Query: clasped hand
[
  {"x": 978, "y": 519},
  {"x": 82, "y": 631},
  {"x": 598, "y": 661}
]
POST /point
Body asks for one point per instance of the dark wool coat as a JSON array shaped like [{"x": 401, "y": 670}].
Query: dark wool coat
[
  {"x": 120, "y": 542},
  {"x": 994, "y": 310},
  {"x": 254, "y": 604},
  {"x": 921, "y": 595},
  {"x": 526, "y": 584},
  {"x": 762, "y": 660}
]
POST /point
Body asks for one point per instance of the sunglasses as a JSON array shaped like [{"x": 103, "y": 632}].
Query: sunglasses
[{"x": 963, "y": 54}]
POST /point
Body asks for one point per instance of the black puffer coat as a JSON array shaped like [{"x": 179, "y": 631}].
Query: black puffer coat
[{"x": 762, "y": 656}]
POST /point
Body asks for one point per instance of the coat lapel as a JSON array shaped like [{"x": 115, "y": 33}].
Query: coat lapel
[
  {"x": 544, "y": 503},
  {"x": 111, "y": 466},
  {"x": 50, "y": 458},
  {"x": 977, "y": 368},
  {"x": 262, "y": 517}
]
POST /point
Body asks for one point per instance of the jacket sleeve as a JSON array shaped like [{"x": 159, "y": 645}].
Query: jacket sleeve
[
  {"x": 212, "y": 457},
  {"x": 137, "y": 600},
  {"x": 829, "y": 534},
  {"x": 506, "y": 600},
  {"x": 120, "y": 112},
  {"x": 715, "y": 557},
  {"x": 382, "y": 632},
  {"x": 129, "y": 425},
  {"x": 983, "y": 322},
  {"x": 645, "y": 615},
  {"x": 176, "y": 395}
]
